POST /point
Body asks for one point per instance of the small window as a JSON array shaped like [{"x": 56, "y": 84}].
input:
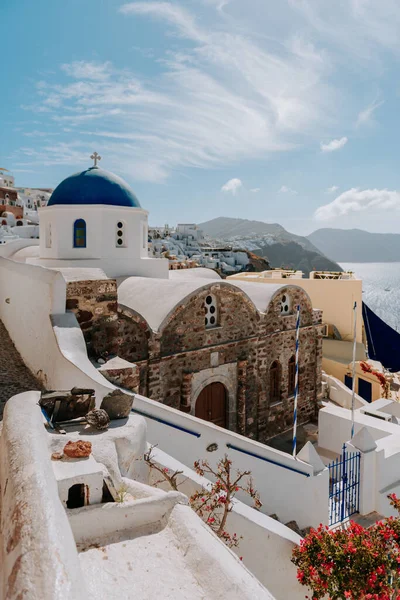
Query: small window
[
  {"x": 286, "y": 305},
  {"x": 275, "y": 382},
  {"x": 120, "y": 238},
  {"x": 292, "y": 376},
  {"x": 211, "y": 312},
  {"x": 80, "y": 233}
]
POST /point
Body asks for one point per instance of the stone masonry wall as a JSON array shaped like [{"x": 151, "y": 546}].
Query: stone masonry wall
[
  {"x": 95, "y": 304},
  {"x": 237, "y": 319},
  {"x": 244, "y": 339},
  {"x": 185, "y": 347}
]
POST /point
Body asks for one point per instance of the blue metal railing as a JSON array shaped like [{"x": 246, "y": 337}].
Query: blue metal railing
[
  {"x": 269, "y": 460},
  {"x": 344, "y": 486},
  {"x": 173, "y": 425}
]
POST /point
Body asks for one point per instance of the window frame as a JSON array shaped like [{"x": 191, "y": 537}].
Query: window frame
[
  {"x": 291, "y": 375},
  {"x": 275, "y": 383},
  {"x": 79, "y": 233}
]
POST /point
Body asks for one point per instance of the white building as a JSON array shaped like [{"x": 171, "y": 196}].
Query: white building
[
  {"x": 93, "y": 219},
  {"x": 155, "y": 547},
  {"x": 187, "y": 242},
  {"x": 6, "y": 178}
]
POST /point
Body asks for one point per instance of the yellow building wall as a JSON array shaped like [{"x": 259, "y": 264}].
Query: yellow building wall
[
  {"x": 339, "y": 370},
  {"x": 335, "y": 297}
]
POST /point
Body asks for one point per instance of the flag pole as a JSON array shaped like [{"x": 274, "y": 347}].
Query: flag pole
[
  {"x": 353, "y": 386},
  {"x": 296, "y": 384}
]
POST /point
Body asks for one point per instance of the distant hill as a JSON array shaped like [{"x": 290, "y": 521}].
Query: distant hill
[
  {"x": 270, "y": 241},
  {"x": 290, "y": 255},
  {"x": 355, "y": 245},
  {"x": 227, "y": 228}
]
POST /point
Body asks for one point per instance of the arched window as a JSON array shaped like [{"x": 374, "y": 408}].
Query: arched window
[
  {"x": 275, "y": 382},
  {"x": 291, "y": 375},
  {"x": 211, "y": 312},
  {"x": 80, "y": 233}
]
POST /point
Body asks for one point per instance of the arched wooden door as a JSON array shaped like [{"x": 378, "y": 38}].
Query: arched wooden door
[{"x": 211, "y": 404}]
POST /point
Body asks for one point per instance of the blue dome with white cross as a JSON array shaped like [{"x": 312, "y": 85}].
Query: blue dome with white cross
[{"x": 94, "y": 186}]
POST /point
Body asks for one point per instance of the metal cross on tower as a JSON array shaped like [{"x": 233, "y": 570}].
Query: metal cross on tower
[{"x": 96, "y": 157}]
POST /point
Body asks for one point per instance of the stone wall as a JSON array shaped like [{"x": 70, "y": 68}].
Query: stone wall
[
  {"x": 175, "y": 363},
  {"x": 169, "y": 361},
  {"x": 95, "y": 304},
  {"x": 237, "y": 319}
]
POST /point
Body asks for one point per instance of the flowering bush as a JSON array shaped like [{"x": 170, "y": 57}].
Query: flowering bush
[
  {"x": 354, "y": 563},
  {"x": 366, "y": 368},
  {"x": 214, "y": 503}
]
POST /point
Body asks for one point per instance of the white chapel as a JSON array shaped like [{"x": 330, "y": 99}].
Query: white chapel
[{"x": 93, "y": 219}]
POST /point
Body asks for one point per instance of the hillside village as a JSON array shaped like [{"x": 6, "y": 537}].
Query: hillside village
[{"x": 140, "y": 387}]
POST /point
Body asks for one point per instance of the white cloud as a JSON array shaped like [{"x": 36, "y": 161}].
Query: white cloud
[
  {"x": 255, "y": 190},
  {"x": 365, "y": 116},
  {"x": 356, "y": 200},
  {"x": 219, "y": 97},
  {"x": 173, "y": 13},
  {"x": 87, "y": 70},
  {"x": 286, "y": 190},
  {"x": 357, "y": 28},
  {"x": 334, "y": 145},
  {"x": 332, "y": 190},
  {"x": 231, "y": 86},
  {"x": 233, "y": 185}
]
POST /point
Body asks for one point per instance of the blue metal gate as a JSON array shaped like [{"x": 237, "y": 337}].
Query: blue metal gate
[{"x": 344, "y": 486}]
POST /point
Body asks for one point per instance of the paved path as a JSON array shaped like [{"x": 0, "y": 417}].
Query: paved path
[{"x": 15, "y": 377}]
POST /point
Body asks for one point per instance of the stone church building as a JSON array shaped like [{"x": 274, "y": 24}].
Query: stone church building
[{"x": 223, "y": 352}]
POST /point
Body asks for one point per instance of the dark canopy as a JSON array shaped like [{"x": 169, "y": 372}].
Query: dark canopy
[{"x": 383, "y": 341}]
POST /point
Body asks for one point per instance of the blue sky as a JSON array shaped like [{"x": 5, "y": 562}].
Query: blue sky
[{"x": 283, "y": 111}]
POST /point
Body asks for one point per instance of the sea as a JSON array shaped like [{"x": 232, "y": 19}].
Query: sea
[{"x": 381, "y": 288}]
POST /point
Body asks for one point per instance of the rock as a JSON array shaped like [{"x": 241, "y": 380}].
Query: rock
[
  {"x": 98, "y": 418},
  {"x": 293, "y": 526},
  {"x": 57, "y": 456},
  {"x": 78, "y": 449},
  {"x": 117, "y": 404}
]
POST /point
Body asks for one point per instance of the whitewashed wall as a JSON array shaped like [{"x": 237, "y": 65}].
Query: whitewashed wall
[
  {"x": 378, "y": 441},
  {"x": 265, "y": 545},
  {"x": 29, "y": 297},
  {"x": 302, "y": 497},
  {"x": 38, "y": 554},
  {"x": 341, "y": 394},
  {"x": 334, "y": 427}
]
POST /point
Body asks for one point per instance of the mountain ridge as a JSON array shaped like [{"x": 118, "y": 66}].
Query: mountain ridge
[
  {"x": 271, "y": 241},
  {"x": 356, "y": 245}
]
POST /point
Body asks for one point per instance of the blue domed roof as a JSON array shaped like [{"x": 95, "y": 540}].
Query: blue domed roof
[{"x": 94, "y": 186}]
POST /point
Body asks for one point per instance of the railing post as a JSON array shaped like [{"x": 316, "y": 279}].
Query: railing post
[{"x": 344, "y": 485}]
